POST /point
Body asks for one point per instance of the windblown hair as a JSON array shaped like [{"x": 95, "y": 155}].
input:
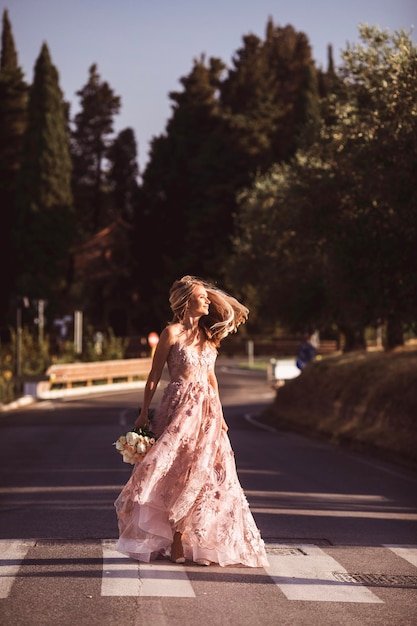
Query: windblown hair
[{"x": 225, "y": 312}]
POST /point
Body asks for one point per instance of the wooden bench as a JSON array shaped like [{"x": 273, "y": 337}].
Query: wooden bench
[{"x": 68, "y": 375}]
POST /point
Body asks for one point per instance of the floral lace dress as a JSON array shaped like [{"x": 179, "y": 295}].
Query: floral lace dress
[{"x": 188, "y": 482}]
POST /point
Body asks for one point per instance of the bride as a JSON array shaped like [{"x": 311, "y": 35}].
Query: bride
[{"x": 184, "y": 500}]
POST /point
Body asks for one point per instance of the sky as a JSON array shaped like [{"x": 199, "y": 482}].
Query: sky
[{"x": 143, "y": 47}]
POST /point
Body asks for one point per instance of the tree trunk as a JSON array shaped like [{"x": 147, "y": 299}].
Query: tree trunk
[
  {"x": 395, "y": 335},
  {"x": 354, "y": 338}
]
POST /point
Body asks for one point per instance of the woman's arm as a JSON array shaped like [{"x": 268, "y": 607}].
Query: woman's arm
[
  {"x": 163, "y": 347},
  {"x": 212, "y": 378}
]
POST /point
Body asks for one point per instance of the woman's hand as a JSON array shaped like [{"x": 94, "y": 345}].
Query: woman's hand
[
  {"x": 142, "y": 419},
  {"x": 224, "y": 425}
]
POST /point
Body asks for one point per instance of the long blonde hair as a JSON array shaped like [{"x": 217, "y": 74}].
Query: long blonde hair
[{"x": 225, "y": 312}]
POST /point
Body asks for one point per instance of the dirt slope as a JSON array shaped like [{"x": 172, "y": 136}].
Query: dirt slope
[{"x": 366, "y": 400}]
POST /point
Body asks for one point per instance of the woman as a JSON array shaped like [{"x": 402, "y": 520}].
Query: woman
[{"x": 184, "y": 500}]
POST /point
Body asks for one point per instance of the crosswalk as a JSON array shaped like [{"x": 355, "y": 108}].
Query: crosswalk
[
  {"x": 302, "y": 572},
  {"x": 124, "y": 577},
  {"x": 11, "y": 556},
  {"x": 310, "y": 576}
]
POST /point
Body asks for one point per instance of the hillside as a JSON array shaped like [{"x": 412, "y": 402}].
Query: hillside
[{"x": 365, "y": 400}]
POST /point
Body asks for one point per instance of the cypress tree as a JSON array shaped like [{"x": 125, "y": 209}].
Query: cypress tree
[
  {"x": 309, "y": 111},
  {"x": 90, "y": 142},
  {"x": 182, "y": 195},
  {"x": 267, "y": 93},
  {"x": 13, "y": 105},
  {"x": 44, "y": 202},
  {"x": 123, "y": 173}
]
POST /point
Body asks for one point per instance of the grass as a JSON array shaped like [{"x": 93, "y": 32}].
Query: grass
[{"x": 366, "y": 400}]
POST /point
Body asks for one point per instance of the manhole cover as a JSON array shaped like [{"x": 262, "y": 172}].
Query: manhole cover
[
  {"x": 378, "y": 580},
  {"x": 284, "y": 551}
]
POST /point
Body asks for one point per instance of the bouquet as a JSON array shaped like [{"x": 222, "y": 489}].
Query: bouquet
[{"x": 135, "y": 444}]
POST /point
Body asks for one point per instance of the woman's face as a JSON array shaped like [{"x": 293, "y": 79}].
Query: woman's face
[{"x": 199, "y": 302}]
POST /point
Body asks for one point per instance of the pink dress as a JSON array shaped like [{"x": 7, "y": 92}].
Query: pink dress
[{"x": 188, "y": 482}]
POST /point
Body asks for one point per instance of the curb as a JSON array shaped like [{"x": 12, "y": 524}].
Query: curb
[
  {"x": 16, "y": 404},
  {"x": 65, "y": 393},
  {"x": 248, "y": 417}
]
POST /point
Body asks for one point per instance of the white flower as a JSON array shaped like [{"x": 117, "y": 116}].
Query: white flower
[
  {"x": 131, "y": 438},
  {"x": 141, "y": 447},
  {"x": 133, "y": 446},
  {"x": 127, "y": 457}
]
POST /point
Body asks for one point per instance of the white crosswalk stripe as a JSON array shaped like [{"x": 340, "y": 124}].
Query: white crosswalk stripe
[
  {"x": 124, "y": 577},
  {"x": 309, "y": 577},
  {"x": 12, "y": 553},
  {"x": 409, "y": 553}
]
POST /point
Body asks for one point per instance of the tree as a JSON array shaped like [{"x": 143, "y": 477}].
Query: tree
[
  {"x": 223, "y": 129},
  {"x": 279, "y": 247},
  {"x": 45, "y": 220},
  {"x": 13, "y": 106},
  {"x": 345, "y": 206},
  {"x": 270, "y": 93},
  {"x": 123, "y": 174},
  {"x": 90, "y": 143},
  {"x": 374, "y": 140},
  {"x": 178, "y": 201}
]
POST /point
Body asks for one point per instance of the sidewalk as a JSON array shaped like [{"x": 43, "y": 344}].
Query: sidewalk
[
  {"x": 16, "y": 404},
  {"x": 57, "y": 394}
]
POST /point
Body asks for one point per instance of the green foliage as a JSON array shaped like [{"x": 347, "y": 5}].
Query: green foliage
[
  {"x": 111, "y": 347},
  {"x": 375, "y": 164},
  {"x": 181, "y": 195},
  {"x": 309, "y": 174},
  {"x": 278, "y": 253},
  {"x": 224, "y": 128},
  {"x": 13, "y": 105},
  {"x": 44, "y": 227},
  {"x": 90, "y": 141},
  {"x": 123, "y": 173},
  {"x": 8, "y": 60},
  {"x": 6, "y": 374},
  {"x": 46, "y": 169},
  {"x": 331, "y": 236},
  {"x": 271, "y": 92},
  {"x": 34, "y": 354}
]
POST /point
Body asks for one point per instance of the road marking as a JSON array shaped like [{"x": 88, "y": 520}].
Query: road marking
[
  {"x": 409, "y": 553},
  {"x": 120, "y": 574},
  {"x": 335, "y": 513},
  {"x": 165, "y": 579},
  {"x": 303, "y": 572},
  {"x": 13, "y": 553},
  {"x": 125, "y": 577},
  {"x": 309, "y": 577}
]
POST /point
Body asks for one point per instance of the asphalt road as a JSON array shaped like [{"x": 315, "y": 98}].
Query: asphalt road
[{"x": 340, "y": 528}]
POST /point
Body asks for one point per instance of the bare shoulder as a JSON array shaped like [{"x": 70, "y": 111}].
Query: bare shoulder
[{"x": 170, "y": 333}]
